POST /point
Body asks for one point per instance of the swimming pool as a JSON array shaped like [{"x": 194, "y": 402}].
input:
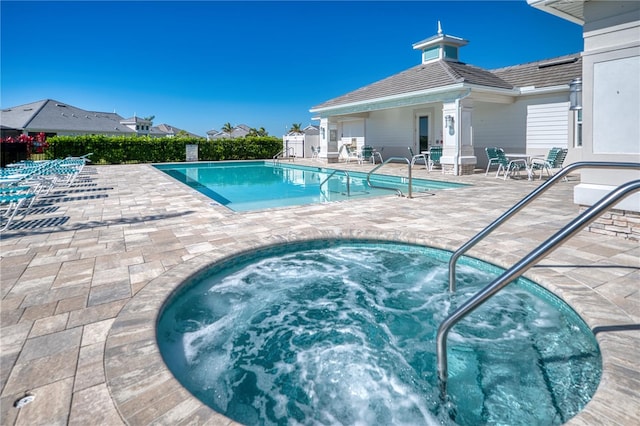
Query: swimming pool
[
  {"x": 343, "y": 332},
  {"x": 256, "y": 185}
]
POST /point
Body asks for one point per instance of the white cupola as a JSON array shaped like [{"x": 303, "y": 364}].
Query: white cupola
[{"x": 440, "y": 47}]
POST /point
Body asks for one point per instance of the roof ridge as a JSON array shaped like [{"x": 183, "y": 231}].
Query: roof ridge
[{"x": 452, "y": 72}]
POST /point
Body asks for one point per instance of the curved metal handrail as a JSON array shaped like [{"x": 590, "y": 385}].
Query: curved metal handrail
[
  {"x": 346, "y": 173},
  {"x": 526, "y": 200},
  {"x": 388, "y": 160},
  {"x": 522, "y": 266}
]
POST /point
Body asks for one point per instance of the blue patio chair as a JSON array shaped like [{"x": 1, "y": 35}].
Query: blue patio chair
[
  {"x": 10, "y": 204},
  {"x": 509, "y": 167},
  {"x": 435, "y": 154},
  {"x": 366, "y": 154},
  {"x": 554, "y": 160},
  {"x": 492, "y": 157}
]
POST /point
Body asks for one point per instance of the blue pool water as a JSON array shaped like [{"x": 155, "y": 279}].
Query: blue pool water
[
  {"x": 340, "y": 332},
  {"x": 256, "y": 185}
]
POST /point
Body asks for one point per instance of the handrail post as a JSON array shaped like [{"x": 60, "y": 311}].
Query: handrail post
[
  {"x": 388, "y": 160},
  {"x": 568, "y": 231},
  {"x": 522, "y": 203}
]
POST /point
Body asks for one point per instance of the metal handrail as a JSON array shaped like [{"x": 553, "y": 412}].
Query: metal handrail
[
  {"x": 346, "y": 173},
  {"x": 522, "y": 266},
  {"x": 526, "y": 200},
  {"x": 388, "y": 160},
  {"x": 281, "y": 152}
]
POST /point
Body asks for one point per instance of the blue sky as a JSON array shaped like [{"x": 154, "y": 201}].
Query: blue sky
[{"x": 197, "y": 65}]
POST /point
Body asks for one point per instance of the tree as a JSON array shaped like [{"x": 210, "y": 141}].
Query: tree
[
  {"x": 296, "y": 128},
  {"x": 258, "y": 132},
  {"x": 150, "y": 118},
  {"x": 227, "y": 128}
]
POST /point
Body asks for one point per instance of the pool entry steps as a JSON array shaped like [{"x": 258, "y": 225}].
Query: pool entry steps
[{"x": 533, "y": 257}]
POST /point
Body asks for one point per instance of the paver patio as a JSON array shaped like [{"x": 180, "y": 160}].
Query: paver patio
[{"x": 82, "y": 280}]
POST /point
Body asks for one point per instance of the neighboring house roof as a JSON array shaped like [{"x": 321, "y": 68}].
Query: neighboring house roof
[
  {"x": 168, "y": 130},
  {"x": 239, "y": 131},
  {"x": 442, "y": 74},
  {"x": 51, "y": 115}
]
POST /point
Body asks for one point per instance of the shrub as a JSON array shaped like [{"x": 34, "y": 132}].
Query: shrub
[{"x": 145, "y": 149}]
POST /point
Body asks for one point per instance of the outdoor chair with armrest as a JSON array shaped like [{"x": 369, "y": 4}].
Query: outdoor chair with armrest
[
  {"x": 492, "y": 157},
  {"x": 509, "y": 167},
  {"x": 366, "y": 154},
  {"x": 435, "y": 154},
  {"x": 416, "y": 157},
  {"x": 554, "y": 160}
]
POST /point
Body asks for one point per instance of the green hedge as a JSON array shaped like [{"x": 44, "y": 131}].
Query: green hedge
[{"x": 144, "y": 149}]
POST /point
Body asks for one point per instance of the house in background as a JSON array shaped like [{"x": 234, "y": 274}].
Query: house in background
[
  {"x": 56, "y": 118},
  {"x": 463, "y": 108},
  {"x": 239, "y": 131},
  {"x": 610, "y": 113}
]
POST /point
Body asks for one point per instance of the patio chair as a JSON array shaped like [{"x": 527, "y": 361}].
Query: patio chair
[
  {"x": 492, "y": 157},
  {"x": 350, "y": 153},
  {"x": 509, "y": 167},
  {"x": 554, "y": 160},
  {"x": 377, "y": 153},
  {"x": 366, "y": 154},
  {"x": 416, "y": 157},
  {"x": 435, "y": 154},
  {"x": 315, "y": 152}
]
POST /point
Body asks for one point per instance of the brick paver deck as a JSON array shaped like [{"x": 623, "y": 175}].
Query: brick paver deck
[{"x": 83, "y": 277}]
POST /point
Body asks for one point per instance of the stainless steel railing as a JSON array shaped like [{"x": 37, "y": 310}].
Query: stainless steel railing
[
  {"x": 562, "y": 173},
  {"x": 533, "y": 257},
  {"x": 389, "y": 160}
]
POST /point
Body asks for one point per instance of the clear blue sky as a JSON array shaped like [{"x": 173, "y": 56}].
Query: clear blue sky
[{"x": 198, "y": 65}]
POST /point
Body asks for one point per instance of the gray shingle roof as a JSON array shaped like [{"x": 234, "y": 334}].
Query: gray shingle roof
[
  {"x": 544, "y": 73},
  {"x": 51, "y": 115},
  {"x": 441, "y": 74},
  {"x": 421, "y": 77}
]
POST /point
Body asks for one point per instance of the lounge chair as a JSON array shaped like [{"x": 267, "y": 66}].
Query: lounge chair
[
  {"x": 554, "y": 160},
  {"x": 435, "y": 154},
  {"x": 416, "y": 157},
  {"x": 509, "y": 167},
  {"x": 10, "y": 203},
  {"x": 492, "y": 157}
]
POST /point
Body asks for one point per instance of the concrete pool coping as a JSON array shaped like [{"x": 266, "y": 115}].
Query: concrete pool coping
[{"x": 71, "y": 329}]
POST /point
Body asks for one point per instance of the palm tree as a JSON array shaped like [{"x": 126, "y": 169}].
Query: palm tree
[
  {"x": 227, "y": 128},
  {"x": 296, "y": 128}
]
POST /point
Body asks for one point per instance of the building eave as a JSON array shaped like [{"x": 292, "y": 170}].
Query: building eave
[
  {"x": 441, "y": 94},
  {"x": 570, "y": 10}
]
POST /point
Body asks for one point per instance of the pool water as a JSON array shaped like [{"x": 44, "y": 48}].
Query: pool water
[
  {"x": 339, "y": 332},
  {"x": 257, "y": 185}
]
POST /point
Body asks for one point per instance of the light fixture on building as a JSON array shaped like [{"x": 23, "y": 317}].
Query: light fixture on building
[
  {"x": 575, "y": 94},
  {"x": 449, "y": 123}
]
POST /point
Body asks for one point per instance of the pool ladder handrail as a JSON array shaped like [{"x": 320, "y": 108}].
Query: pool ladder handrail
[
  {"x": 389, "y": 160},
  {"x": 346, "y": 173},
  {"x": 568, "y": 231},
  {"x": 276, "y": 158},
  {"x": 561, "y": 174}
]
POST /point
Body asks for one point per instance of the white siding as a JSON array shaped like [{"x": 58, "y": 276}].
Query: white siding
[{"x": 547, "y": 126}]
